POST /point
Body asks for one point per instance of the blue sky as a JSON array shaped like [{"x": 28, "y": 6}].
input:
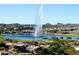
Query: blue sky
[{"x": 26, "y": 13}]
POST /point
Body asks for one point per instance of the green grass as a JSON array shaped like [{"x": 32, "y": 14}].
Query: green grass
[
  {"x": 25, "y": 40},
  {"x": 16, "y": 40},
  {"x": 1, "y": 38},
  {"x": 71, "y": 35}
]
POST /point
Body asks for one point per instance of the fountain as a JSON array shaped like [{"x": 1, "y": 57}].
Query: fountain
[
  {"x": 38, "y": 28},
  {"x": 37, "y": 35}
]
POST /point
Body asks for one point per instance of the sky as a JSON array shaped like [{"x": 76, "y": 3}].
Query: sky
[{"x": 27, "y": 13}]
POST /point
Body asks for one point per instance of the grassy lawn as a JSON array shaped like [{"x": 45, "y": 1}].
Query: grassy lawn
[
  {"x": 16, "y": 40},
  {"x": 1, "y": 38},
  {"x": 71, "y": 35}
]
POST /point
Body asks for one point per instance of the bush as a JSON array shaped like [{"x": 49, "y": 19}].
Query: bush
[
  {"x": 2, "y": 48},
  {"x": 70, "y": 51}
]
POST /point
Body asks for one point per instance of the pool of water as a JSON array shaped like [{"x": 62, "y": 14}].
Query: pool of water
[{"x": 31, "y": 37}]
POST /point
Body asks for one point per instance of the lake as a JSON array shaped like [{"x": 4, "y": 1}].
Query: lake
[{"x": 31, "y": 37}]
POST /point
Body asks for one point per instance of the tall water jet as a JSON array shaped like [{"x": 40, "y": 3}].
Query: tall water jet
[{"x": 38, "y": 28}]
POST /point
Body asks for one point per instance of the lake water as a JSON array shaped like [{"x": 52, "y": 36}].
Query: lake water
[{"x": 31, "y": 37}]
